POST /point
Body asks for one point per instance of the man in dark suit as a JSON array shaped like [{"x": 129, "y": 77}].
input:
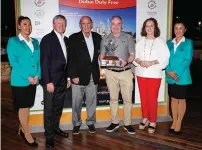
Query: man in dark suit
[
  {"x": 84, "y": 73},
  {"x": 54, "y": 61}
]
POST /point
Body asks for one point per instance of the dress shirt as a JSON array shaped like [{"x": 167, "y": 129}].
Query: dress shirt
[
  {"x": 177, "y": 44},
  {"x": 62, "y": 43},
  {"x": 29, "y": 43},
  {"x": 90, "y": 45}
]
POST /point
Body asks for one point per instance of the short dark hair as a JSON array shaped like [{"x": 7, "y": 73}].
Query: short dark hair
[
  {"x": 21, "y": 18},
  {"x": 156, "y": 28},
  {"x": 80, "y": 21},
  {"x": 60, "y": 17},
  {"x": 180, "y": 22},
  {"x": 119, "y": 17}
]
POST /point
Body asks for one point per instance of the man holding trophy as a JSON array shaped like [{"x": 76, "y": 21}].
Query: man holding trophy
[{"x": 117, "y": 52}]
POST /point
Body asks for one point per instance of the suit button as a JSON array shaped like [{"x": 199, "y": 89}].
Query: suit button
[
  {"x": 32, "y": 56},
  {"x": 32, "y": 66}
]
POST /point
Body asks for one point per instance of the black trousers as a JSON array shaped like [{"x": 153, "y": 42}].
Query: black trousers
[{"x": 53, "y": 106}]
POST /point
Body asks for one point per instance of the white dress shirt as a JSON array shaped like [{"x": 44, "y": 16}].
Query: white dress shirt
[
  {"x": 29, "y": 43},
  {"x": 62, "y": 43},
  {"x": 177, "y": 44},
  {"x": 90, "y": 45},
  {"x": 149, "y": 50}
]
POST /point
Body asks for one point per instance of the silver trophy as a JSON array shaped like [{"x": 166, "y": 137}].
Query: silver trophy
[{"x": 110, "y": 45}]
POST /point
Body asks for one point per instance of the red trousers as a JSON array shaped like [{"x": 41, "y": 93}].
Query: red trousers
[{"x": 149, "y": 89}]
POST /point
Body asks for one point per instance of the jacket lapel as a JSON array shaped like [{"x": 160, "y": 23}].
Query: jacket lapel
[
  {"x": 171, "y": 48},
  {"x": 83, "y": 42},
  {"x": 24, "y": 44},
  {"x": 35, "y": 44}
]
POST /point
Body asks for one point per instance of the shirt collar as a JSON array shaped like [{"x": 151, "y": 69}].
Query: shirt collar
[
  {"x": 58, "y": 35},
  {"x": 182, "y": 40},
  {"x": 22, "y": 38},
  {"x": 90, "y": 36},
  {"x": 121, "y": 34}
]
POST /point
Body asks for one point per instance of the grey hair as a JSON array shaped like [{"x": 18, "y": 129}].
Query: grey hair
[
  {"x": 118, "y": 17},
  {"x": 60, "y": 17},
  {"x": 85, "y": 17}
]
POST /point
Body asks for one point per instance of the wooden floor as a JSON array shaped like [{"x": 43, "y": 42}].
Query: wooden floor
[{"x": 190, "y": 139}]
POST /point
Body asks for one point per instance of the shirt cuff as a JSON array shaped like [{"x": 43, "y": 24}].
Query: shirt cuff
[{"x": 135, "y": 63}]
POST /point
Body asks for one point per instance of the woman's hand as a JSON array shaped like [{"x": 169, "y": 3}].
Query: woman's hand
[
  {"x": 31, "y": 80},
  {"x": 145, "y": 64},
  {"x": 173, "y": 75},
  {"x": 36, "y": 79},
  {"x": 153, "y": 62}
]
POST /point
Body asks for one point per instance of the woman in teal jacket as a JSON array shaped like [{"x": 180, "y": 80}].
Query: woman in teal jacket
[
  {"x": 24, "y": 55},
  {"x": 178, "y": 74}
]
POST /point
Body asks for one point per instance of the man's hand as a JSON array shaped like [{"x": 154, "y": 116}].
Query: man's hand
[
  {"x": 50, "y": 87},
  {"x": 75, "y": 80},
  {"x": 101, "y": 56},
  {"x": 131, "y": 57},
  {"x": 68, "y": 83},
  {"x": 31, "y": 80},
  {"x": 173, "y": 75},
  {"x": 123, "y": 62}
]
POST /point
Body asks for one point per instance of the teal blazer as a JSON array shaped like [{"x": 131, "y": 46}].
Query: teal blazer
[
  {"x": 180, "y": 61},
  {"x": 24, "y": 63}
]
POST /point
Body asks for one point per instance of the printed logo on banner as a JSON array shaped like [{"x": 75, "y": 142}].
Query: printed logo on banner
[
  {"x": 152, "y": 4},
  {"x": 152, "y": 7},
  {"x": 39, "y": 14},
  {"x": 37, "y": 23},
  {"x": 39, "y": 3}
]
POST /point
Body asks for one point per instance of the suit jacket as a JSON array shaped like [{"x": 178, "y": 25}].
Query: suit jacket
[
  {"x": 53, "y": 62},
  {"x": 24, "y": 63},
  {"x": 81, "y": 65},
  {"x": 180, "y": 61}
]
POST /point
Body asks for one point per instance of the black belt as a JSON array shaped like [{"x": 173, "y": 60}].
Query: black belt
[{"x": 119, "y": 70}]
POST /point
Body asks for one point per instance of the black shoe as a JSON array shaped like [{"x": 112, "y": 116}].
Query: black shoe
[
  {"x": 61, "y": 133},
  {"x": 22, "y": 134},
  {"x": 112, "y": 127},
  {"x": 33, "y": 144},
  {"x": 49, "y": 143},
  {"x": 176, "y": 132},
  {"x": 76, "y": 130},
  {"x": 91, "y": 128},
  {"x": 129, "y": 129},
  {"x": 171, "y": 130}
]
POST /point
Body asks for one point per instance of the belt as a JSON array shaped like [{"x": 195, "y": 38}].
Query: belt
[{"x": 121, "y": 70}]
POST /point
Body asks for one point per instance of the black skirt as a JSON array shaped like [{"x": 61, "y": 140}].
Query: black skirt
[
  {"x": 177, "y": 91},
  {"x": 23, "y": 97}
]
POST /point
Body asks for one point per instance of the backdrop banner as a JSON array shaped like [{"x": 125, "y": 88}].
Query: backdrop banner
[{"x": 133, "y": 13}]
